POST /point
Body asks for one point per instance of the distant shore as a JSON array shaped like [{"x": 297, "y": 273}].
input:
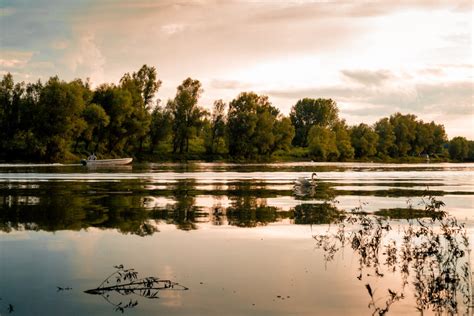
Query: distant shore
[{"x": 197, "y": 159}]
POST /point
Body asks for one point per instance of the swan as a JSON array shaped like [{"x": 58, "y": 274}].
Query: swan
[{"x": 306, "y": 183}]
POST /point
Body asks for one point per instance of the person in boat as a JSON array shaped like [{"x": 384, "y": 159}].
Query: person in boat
[{"x": 92, "y": 157}]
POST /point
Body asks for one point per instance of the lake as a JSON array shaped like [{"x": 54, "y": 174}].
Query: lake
[{"x": 234, "y": 239}]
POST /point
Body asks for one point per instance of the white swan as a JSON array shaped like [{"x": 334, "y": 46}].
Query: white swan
[{"x": 306, "y": 183}]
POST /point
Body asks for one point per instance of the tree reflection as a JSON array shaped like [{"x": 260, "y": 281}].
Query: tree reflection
[
  {"x": 65, "y": 211},
  {"x": 184, "y": 213},
  {"x": 432, "y": 255},
  {"x": 323, "y": 213},
  {"x": 251, "y": 212},
  {"x": 127, "y": 207},
  {"x": 218, "y": 215},
  {"x": 406, "y": 213},
  {"x": 60, "y": 208}
]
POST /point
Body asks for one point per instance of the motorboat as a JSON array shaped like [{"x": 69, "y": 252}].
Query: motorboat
[{"x": 106, "y": 162}]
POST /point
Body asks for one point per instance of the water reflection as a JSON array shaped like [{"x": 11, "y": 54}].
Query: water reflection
[
  {"x": 324, "y": 213},
  {"x": 430, "y": 254},
  {"x": 251, "y": 212},
  {"x": 406, "y": 213},
  {"x": 184, "y": 213},
  {"x": 245, "y": 211},
  {"x": 63, "y": 211},
  {"x": 127, "y": 207},
  {"x": 83, "y": 206}
]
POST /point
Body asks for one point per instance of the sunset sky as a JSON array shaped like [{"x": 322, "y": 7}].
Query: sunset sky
[{"x": 373, "y": 58}]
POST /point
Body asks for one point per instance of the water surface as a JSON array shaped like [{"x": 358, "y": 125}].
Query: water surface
[{"x": 236, "y": 235}]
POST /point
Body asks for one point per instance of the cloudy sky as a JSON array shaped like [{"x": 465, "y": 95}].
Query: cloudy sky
[{"x": 373, "y": 57}]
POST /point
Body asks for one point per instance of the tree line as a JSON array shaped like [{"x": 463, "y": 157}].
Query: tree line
[{"x": 64, "y": 121}]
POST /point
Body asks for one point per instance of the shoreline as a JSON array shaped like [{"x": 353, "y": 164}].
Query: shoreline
[{"x": 410, "y": 160}]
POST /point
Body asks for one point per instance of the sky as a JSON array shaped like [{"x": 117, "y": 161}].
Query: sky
[{"x": 374, "y": 58}]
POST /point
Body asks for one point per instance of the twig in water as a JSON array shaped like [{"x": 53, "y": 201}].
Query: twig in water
[{"x": 125, "y": 282}]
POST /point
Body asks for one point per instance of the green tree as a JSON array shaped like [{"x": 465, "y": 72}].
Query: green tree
[
  {"x": 263, "y": 138},
  {"x": 439, "y": 139},
  {"x": 10, "y": 106},
  {"x": 27, "y": 144},
  {"x": 254, "y": 127},
  {"x": 364, "y": 140},
  {"x": 343, "y": 140},
  {"x": 117, "y": 103},
  {"x": 242, "y": 122},
  {"x": 283, "y": 132},
  {"x": 59, "y": 118},
  {"x": 404, "y": 128},
  {"x": 97, "y": 120},
  {"x": 308, "y": 112},
  {"x": 322, "y": 143},
  {"x": 142, "y": 86},
  {"x": 386, "y": 137},
  {"x": 470, "y": 155},
  {"x": 186, "y": 114},
  {"x": 217, "y": 128},
  {"x": 459, "y": 148},
  {"x": 160, "y": 127},
  {"x": 18, "y": 118},
  {"x": 147, "y": 83}
]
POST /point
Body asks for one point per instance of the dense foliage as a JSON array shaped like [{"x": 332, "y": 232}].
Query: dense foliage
[
  {"x": 59, "y": 121},
  {"x": 255, "y": 127}
]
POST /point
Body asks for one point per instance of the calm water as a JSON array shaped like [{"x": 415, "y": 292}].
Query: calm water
[{"x": 235, "y": 235}]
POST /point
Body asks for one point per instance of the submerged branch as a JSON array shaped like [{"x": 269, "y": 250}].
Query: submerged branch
[{"x": 148, "y": 287}]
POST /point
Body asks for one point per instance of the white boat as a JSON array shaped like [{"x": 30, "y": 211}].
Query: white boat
[{"x": 106, "y": 162}]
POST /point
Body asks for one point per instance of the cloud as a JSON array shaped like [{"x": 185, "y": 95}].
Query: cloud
[
  {"x": 368, "y": 77},
  {"x": 173, "y": 28},
  {"x": 22, "y": 65},
  {"x": 84, "y": 58},
  {"x": 229, "y": 84},
  {"x": 207, "y": 35},
  {"x": 336, "y": 91},
  {"x": 452, "y": 99},
  {"x": 6, "y": 11},
  {"x": 33, "y": 24},
  {"x": 432, "y": 71},
  {"x": 12, "y": 59},
  {"x": 60, "y": 44},
  {"x": 447, "y": 103},
  {"x": 386, "y": 7},
  {"x": 465, "y": 66},
  {"x": 294, "y": 11}
]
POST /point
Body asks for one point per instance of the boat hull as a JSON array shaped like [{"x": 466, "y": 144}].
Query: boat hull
[{"x": 106, "y": 162}]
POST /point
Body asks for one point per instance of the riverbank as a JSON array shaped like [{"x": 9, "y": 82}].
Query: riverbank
[
  {"x": 221, "y": 159},
  {"x": 163, "y": 154}
]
